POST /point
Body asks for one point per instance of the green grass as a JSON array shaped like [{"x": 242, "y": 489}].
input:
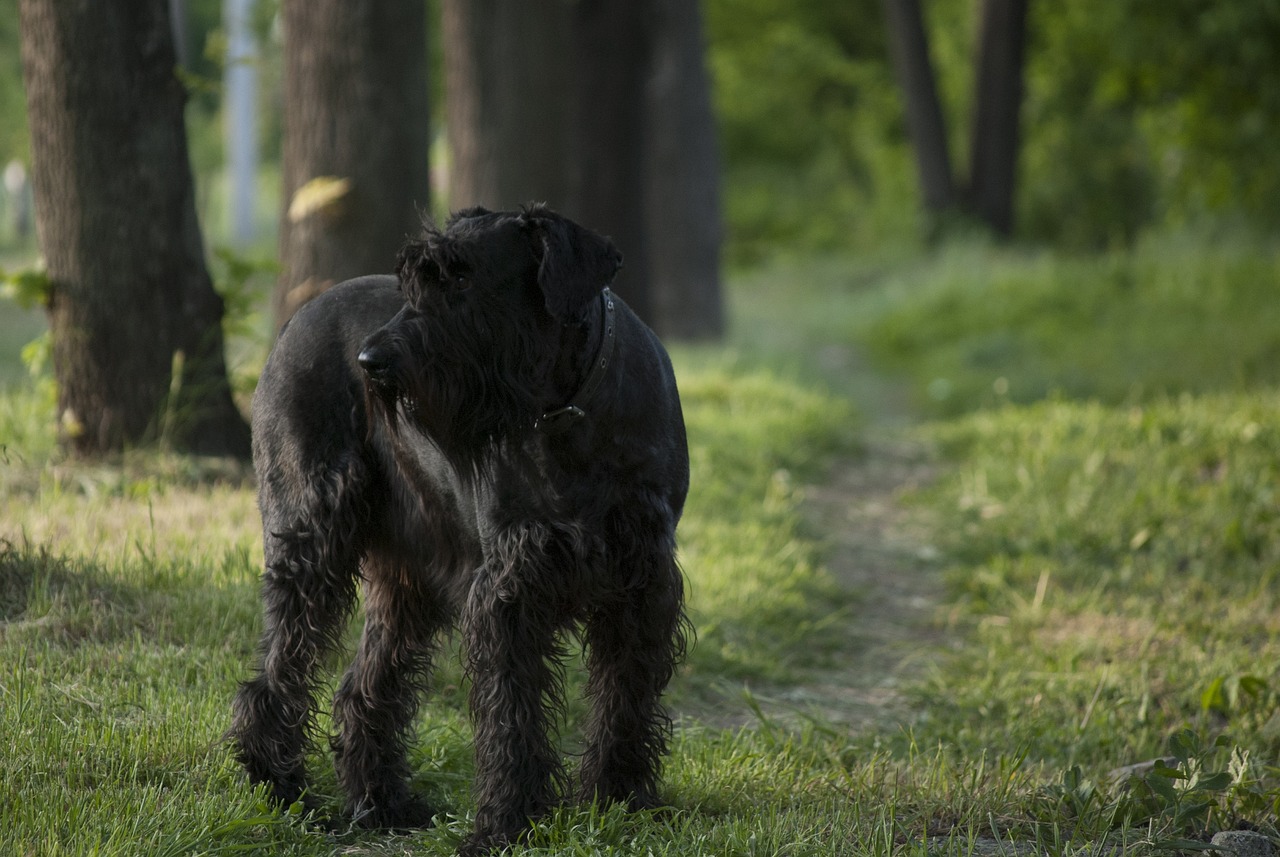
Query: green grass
[
  {"x": 979, "y": 326},
  {"x": 1113, "y": 545},
  {"x": 130, "y": 611},
  {"x": 1110, "y": 550},
  {"x": 1114, "y": 571}
]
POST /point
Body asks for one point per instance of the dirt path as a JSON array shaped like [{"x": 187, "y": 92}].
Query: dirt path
[{"x": 878, "y": 550}]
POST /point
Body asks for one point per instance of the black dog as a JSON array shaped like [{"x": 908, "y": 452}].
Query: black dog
[{"x": 492, "y": 441}]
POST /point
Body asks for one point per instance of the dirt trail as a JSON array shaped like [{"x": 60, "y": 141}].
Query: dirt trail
[{"x": 878, "y": 550}]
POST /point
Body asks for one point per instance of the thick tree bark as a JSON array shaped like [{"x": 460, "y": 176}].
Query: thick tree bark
[
  {"x": 997, "y": 105},
  {"x": 612, "y": 44},
  {"x": 355, "y": 111},
  {"x": 683, "y": 194},
  {"x": 909, "y": 50},
  {"x": 507, "y": 75},
  {"x": 136, "y": 324},
  {"x": 602, "y": 109}
]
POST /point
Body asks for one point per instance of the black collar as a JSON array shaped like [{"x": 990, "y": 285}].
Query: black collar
[{"x": 562, "y": 419}]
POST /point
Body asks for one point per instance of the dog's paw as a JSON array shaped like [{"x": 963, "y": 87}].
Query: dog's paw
[
  {"x": 411, "y": 813},
  {"x": 482, "y": 844}
]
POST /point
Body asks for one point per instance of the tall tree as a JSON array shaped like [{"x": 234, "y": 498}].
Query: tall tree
[
  {"x": 135, "y": 322},
  {"x": 988, "y": 194},
  {"x": 356, "y": 140},
  {"x": 993, "y": 155},
  {"x": 612, "y": 43},
  {"x": 507, "y": 79},
  {"x": 683, "y": 193},
  {"x": 613, "y": 128},
  {"x": 909, "y": 50}
]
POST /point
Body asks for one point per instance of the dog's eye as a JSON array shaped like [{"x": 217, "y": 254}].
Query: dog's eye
[{"x": 462, "y": 283}]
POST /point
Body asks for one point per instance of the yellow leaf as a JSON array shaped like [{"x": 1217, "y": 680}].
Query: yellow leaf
[{"x": 319, "y": 194}]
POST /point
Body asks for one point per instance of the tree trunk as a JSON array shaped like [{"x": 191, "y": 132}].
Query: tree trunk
[
  {"x": 356, "y": 141},
  {"x": 612, "y": 40},
  {"x": 998, "y": 102},
  {"x": 909, "y": 49},
  {"x": 683, "y": 194},
  {"x": 507, "y": 78},
  {"x": 577, "y": 104},
  {"x": 135, "y": 322}
]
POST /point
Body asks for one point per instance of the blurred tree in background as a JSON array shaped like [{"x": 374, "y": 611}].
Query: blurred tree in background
[
  {"x": 135, "y": 322},
  {"x": 356, "y": 141},
  {"x": 602, "y": 109},
  {"x": 1137, "y": 114},
  {"x": 1145, "y": 112}
]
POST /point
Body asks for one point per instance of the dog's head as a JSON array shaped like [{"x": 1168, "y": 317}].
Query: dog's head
[
  {"x": 488, "y": 301},
  {"x": 492, "y": 249}
]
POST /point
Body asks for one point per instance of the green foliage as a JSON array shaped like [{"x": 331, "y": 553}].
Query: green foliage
[
  {"x": 1174, "y": 801},
  {"x": 244, "y": 283},
  {"x": 809, "y": 123},
  {"x": 27, "y": 287},
  {"x": 1137, "y": 114},
  {"x": 13, "y": 102},
  {"x": 1142, "y": 112}
]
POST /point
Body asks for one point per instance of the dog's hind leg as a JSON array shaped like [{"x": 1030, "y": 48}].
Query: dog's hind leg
[
  {"x": 375, "y": 704},
  {"x": 308, "y": 589},
  {"x": 634, "y": 639}
]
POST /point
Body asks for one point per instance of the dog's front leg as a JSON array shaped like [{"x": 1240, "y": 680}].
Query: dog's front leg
[{"x": 514, "y": 662}]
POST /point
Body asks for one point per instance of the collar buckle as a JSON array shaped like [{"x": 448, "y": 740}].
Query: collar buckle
[{"x": 562, "y": 419}]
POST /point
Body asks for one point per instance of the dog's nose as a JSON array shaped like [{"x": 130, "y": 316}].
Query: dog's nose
[{"x": 375, "y": 361}]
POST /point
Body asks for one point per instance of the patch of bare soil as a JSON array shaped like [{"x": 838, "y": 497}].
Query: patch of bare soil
[{"x": 878, "y": 551}]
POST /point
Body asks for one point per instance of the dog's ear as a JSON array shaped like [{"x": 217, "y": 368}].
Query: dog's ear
[
  {"x": 574, "y": 263},
  {"x": 466, "y": 214}
]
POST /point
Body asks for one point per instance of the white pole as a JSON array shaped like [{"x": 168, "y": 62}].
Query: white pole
[{"x": 241, "y": 117}]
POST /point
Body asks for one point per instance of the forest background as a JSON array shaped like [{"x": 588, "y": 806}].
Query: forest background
[{"x": 1138, "y": 115}]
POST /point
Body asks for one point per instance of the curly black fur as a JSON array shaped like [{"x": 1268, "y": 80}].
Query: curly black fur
[{"x": 395, "y": 445}]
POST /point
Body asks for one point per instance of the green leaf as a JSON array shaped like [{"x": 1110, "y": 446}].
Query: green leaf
[
  {"x": 28, "y": 287},
  {"x": 1159, "y": 768},
  {"x": 1213, "y": 782},
  {"x": 1162, "y": 786},
  {"x": 1214, "y": 697},
  {"x": 1185, "y": 745}
]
